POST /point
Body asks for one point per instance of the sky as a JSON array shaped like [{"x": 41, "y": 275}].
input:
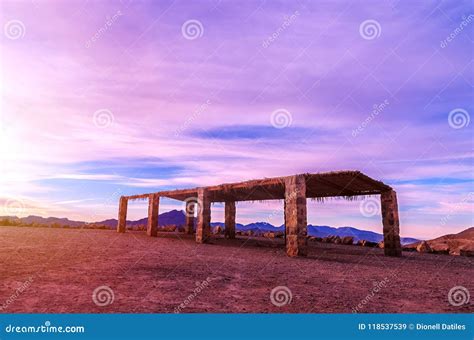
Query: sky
[{"x": 110, "y": 98}]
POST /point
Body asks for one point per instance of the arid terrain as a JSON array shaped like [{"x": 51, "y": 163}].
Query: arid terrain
[
  {"x": 57, "y": 270},
  {"x": 454, "y": 244}
]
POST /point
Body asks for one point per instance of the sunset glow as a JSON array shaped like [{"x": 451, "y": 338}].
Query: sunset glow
[{"x": 131, "y": 97}]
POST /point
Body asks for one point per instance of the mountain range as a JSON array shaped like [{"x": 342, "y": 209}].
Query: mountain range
[{"x": 177, "y": 217}]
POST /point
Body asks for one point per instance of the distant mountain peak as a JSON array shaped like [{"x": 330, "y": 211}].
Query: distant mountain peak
[{"x": 178, "y": 217}]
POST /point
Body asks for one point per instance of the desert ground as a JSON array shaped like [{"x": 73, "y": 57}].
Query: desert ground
[{"x": 48, "y": 270}]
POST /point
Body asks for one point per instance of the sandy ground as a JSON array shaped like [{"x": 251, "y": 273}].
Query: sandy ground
[{"x": 57, "y": 270}]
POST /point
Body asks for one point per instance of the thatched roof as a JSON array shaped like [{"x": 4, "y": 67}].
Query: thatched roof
[{"x": 345, "y": 184}]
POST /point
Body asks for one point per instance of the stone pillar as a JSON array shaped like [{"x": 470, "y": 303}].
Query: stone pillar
[
  {"x": 190, "y": 209},
  {"x": 229, "y": 231},
  {"x": 122, "y": 215},
  {"x": 153, "y": 206},
  {"x": 295, "y": 216},
  {"x": 203, "y": 230},
  {"x": 391, "y": 223}
]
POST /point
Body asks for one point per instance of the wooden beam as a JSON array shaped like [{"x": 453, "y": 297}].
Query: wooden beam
[{"x": 273, "y": 188}]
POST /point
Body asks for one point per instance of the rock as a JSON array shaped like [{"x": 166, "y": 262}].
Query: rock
[
  {"x": 440, "y": 248},
  {"x": 410, "y": 247},
  {"x": 218, "y": 230},
  {"x": 269, "y": 234},
  {"x": 168, "y": 228},
  {"x": 331, "y": 239},
  {"x": 365, "y": 243},
  {"x": 315, "y": 239},
  {"x": 466, "y": 252},
  {"x": 347, "y": 240},
  {"x": 381, "y": 244},
  {"x": 423, "y": 247},
  {"x": 273, "y": 234},
  {"x": 455, "y": 252}
]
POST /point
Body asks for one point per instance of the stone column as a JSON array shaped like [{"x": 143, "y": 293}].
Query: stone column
[
  {"x": 122, "y": 215},
  {"x": 191, "y": 207},
  {"x": 295, "y": 216},
  {"x": 153, "y": 207},
  {"x": 229, "y": 231},
  {"x": 391, "y": 223},
  {"x": 203, "y": 231}
]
